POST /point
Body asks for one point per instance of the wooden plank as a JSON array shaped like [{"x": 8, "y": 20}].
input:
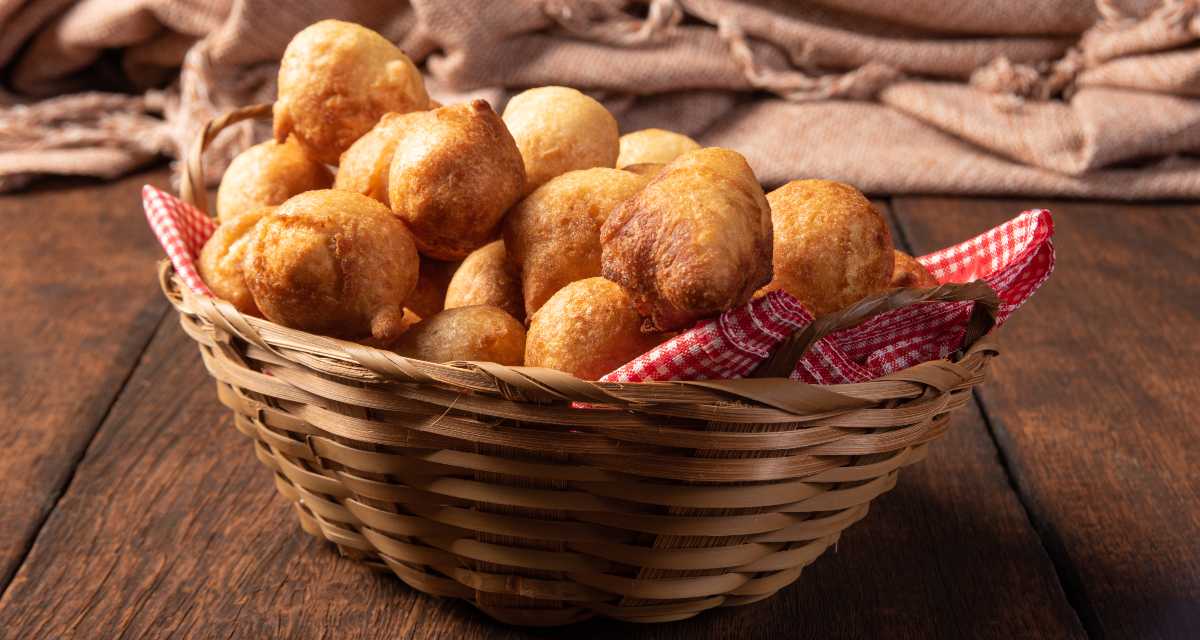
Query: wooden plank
[
  {"x": 173, "y": 528},
  {"x": 77, "y": 306},
  {"x": 1093, "y": 403}
]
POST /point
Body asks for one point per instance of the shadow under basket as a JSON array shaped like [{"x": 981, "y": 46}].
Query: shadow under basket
[{"x": 651, "y": 503}]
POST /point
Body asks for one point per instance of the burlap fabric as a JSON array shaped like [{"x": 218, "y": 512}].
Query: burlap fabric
[{"x": 1070, "y": 98}]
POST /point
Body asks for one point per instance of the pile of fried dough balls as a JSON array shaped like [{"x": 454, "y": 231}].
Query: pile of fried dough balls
[{"x": 540, "y": 237}]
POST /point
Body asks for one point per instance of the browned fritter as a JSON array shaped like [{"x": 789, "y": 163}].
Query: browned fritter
[
  {"x": 481, "y": 333},
  {"x": 832, "y": 248},
  {"x": 559, "y": 129},
  {"x": 220, "y": 263},
  {"x": 487, "y": 277},
  {"x": 336, "y": 79},
  {"x": 695, "y": 242},
  {"x": 653, "y": 146},
  {"x": 429, "y": 297},
  {"x": 267, "y": 174},
  {"x": 648, "y": 169},
  {"x": 455, "y": 171},
  {"x": 553, "y": 235},
  {"x": 363, "y": 168},
  {"x": 332, "y": 262},
  {"x": 587, "y": 329},
  {"x": 909, "y": 274}
]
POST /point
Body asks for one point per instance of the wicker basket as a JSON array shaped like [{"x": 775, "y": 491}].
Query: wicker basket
[{"x": 482, "y": 482}]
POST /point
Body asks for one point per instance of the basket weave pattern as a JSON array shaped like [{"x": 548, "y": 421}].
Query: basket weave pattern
[{"x": 653, "y": 502}]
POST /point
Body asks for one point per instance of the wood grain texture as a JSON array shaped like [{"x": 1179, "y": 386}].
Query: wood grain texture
[
  {"x": 77, "y": 306},
  {"x": 172, "y": 528},
  {"x": 1093, "y": 401}
]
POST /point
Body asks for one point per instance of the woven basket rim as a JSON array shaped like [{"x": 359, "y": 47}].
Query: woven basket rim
[{"x": 785, "y": 397}]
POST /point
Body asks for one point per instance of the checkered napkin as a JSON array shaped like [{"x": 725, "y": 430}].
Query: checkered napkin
[
  {"x": 1015, "y": 258},
  {"x": 182, "y": 231}
]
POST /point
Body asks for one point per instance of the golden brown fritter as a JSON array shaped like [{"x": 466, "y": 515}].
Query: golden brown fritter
[
  {"x": 553, "y": 234},
  {"x": 481, "y": 333},
  {"x": 559, "y": 129},
  {"x": 220, "y": 263},
  {"x": 363, "y": 168},
  {"x": 487, "y": 277},
  {"x": 429, "y": 297},
  {"x": 832, "y": 248},
  {"x": 333, "y": 262},
  {"x": 336, "y": 79},
  {"x": 653, "y": 146},
  {"x": 648, "y": 169},
  {"x": 695, "y": 242},
  {"x": 267, "y": 174},
  {"x": 455, "y": 171},
  {"x": 587, "y": 329},
  {"x": 910, "y": 274}
]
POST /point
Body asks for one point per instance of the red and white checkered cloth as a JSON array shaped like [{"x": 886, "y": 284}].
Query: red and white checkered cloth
[
  {"x": 182, "y": 231},
  {"x": 1015, "y": 258}
]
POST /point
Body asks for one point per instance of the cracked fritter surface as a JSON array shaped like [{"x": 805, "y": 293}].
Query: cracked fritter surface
[
  {"x": 336, "y": 80},
  {"x": 455, "y": 171},
  {"x": 332, "y": 262},
  {"x": 553, "y": 235},
  {"x": 832, "y": 248},
  {"x": 482, "y": 333},
  {"x": 266, "y": 174},
  {"x": 694, "y": 242},
  {"x": 559, "y": 129},
  {"x": 587, "y": 329}
]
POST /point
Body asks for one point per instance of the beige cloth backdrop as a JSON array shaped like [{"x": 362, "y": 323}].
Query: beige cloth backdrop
[{"x": 1074, "y": 98}]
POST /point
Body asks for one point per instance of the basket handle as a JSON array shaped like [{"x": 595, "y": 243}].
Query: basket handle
[
  {"x": 983, "y": 317},
  {"x": 191, "y": 184}
]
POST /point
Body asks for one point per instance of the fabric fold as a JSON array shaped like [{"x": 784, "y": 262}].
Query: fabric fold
[{"x": 1053, "y": 99}]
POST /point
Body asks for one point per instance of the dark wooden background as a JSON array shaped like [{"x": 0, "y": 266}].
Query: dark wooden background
[{"x": 1064, "y": 503}]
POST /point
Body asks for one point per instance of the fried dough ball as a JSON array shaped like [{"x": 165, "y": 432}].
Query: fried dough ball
[
  {"x": 648, "y": 169},
  {"x": 333, "y": 262},
  {"x": 695, "y": 242},
  {"x": 553, "y": 234},
  {"x": 832, "y": 248},
  {"x": 559, "y": 129},
  {"x": 429, "y": 297},
  {"x": 363, "y": 168},
  {"x": 481, "y": 332},
  {"x": 587, "y": 329},
  {"x": 267, "y": 174},
  {"x": 220, "y": 263},
  {"x": 909, "y": 274},
  {"x": 653, "y": 145},
  {"x": 456, "y": 170},
  {"x": 336, "y": 79},
  {"x": 487, "y": 277}
]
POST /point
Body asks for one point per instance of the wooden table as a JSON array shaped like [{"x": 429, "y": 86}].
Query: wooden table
[{"x": 1064, "y": 503}]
